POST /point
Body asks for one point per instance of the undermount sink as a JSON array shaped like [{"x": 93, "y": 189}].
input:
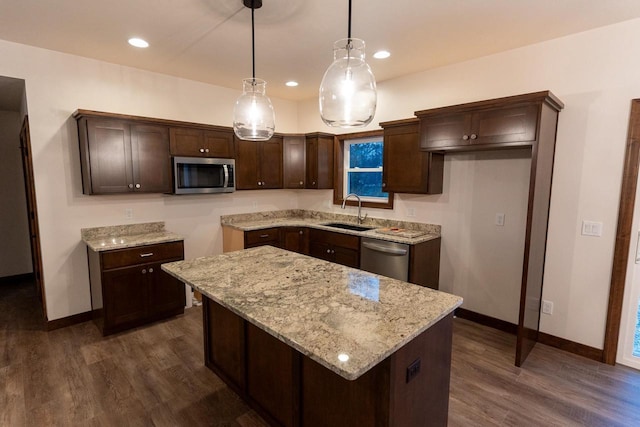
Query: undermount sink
[{"x": 352, "y": 227}]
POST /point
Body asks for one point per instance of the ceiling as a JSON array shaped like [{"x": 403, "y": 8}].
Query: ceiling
[{"x": 210, "y": 40}]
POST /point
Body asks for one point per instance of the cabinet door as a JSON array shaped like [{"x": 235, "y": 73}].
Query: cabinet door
[
  {"x": 125, "y": 297},
  {"x": 346, "y": 256},
  {"x": 271, "y": 163},
  {"x": 267, "y": 236},
  {"x": 295, "y": 239},
  {"x": 219, "y": 143},
  {"x": 320, "y": 250},
  {"x": 505, "y": 125},
  {"x": 109, "y": 147},
  {"x": 247, "y": 177},
  {"x": 151, "y": 158},
  {"x": 325, "y": 162},
  {"x": 451, "y": 130},
  {"x": 311, "y": 167},
  {"x": 187, "y": 142},
  {"x": 166, "y": 293},
  {"x": 293, "y": 161}
]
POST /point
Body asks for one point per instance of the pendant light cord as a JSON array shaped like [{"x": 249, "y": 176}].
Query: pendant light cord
[
  {"x": 253, "y": 42},
  {"x": 349, "y": 29}
]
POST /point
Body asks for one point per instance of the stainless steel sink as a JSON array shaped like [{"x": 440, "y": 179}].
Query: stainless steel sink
[{"x": 351, "y": 227}]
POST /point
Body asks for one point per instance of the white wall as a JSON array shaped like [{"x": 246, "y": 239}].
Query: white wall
[
  {"x": 595, "y": 75},
  {"x": 15, "y": 251},
  {"x": 56, "y": 85}
]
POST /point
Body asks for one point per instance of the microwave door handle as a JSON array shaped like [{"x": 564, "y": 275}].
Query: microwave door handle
[{"x": 226, "y": 176}]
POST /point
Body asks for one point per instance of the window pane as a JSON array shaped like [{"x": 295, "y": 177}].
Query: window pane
[
  {"x": 366, "y": 184},
  {"x": 365, "y": 155}
]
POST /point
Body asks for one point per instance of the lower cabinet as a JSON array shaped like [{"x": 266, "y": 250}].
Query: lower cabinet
[
  {"x": 335, "y": 247},
  {"x": 128, "y": 287},
  {"x": 295, "y": 239}
]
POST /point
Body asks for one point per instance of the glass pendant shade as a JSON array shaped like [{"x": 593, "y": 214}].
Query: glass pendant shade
[
  {"x": 253, "y": 115},
  {"x": 348, "y": 94}
]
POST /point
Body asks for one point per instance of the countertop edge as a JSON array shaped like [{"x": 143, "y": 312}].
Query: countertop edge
[{"x": 97, "y": 245}]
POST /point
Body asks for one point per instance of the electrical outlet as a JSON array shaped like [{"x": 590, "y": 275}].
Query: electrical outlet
[
  {"x": 547, "y": 307},
  {"x": 591, "y": 228},
  {"x": 411, "y": 212},
  {"x": 500, "y": 219},
  {"x": 254, "y": 204},
  {"x": 128, "y": 213},
  {"x": 413, "y": 370}
]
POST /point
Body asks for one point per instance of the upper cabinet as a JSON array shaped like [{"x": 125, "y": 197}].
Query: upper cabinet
[
  {"x": 195, "y": 142},
  {"x": 122, "y": 156},
  {"x": 319, "y": 160},
  {"x": 407, "y": 169},
  {"x": 259, "y": 164},
  {"x": 293, "y": 153},
  {"x": 495, "y": 124}
]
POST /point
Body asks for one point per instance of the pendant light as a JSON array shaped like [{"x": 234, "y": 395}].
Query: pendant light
[
  {"x": 348, "y": 90},
  {"x": 253, "y": 115}
]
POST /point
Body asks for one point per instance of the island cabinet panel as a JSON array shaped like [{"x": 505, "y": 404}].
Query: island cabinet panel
[
  {"x": 129, "y": 288},
  {"x": 335, "y": 247},
  {"x": 293, "y": 161},
  {"x": 259, "y": 164},
  {"x": 319, "y": 161},
  {"x": 196, "y": 142},
  {"x": 407, "y": 169},
  {"x": 123, "y": 156},
  {"x": 497, "y": 126},
  {"x": 410, "y": 388},
  {"x": 424, "y": 263},
  {"x": 295, "y": 239}
]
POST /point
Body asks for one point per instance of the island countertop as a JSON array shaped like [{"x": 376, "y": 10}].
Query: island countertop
[{"x": 346, "y": 319}]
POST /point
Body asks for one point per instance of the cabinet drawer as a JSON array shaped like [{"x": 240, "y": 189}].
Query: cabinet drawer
[
  {"x": 142, "y": 255},
  {"x": 335, "y": 239},
  {"x": 268, "y": 236}
]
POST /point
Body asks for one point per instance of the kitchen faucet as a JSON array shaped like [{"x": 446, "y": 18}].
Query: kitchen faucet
[{"x": 344, "y": 202}]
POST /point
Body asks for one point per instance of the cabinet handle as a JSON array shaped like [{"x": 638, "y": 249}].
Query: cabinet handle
[
  {"x": 130, "y": 185},
  {"x": 465, "y": 137},
  {"x": 474, "y": 136},
  {"x": 150, "y": 270},
  {"x": 137, "y": 185},
  {"x": 148, "y": 254},
  {"x": 202, "y": 150},
  {"x": 264, "y": 236},
  {"x": 144, "y": 271}
]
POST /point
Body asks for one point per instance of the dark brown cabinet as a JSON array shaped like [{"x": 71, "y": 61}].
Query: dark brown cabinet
[
  {"x": 129, "y": 288},
  {"x": 120, "y": 156},
  {"x": 407, "y": 169},
  {"x": 267, "y": 236},
  {"x": 295, "y": 239},
  {"x": 319, "y": 161},
  {"x": 490, "y": 127},
  {"x": 293, "y": 152},
  {"x": 259, "y": 164},
  {"x": 195, "y": 142},
  {"x": 335, "y": 247}
]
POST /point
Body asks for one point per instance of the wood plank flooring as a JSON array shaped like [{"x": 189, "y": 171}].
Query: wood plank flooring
[{"x": 154, "y": 376}]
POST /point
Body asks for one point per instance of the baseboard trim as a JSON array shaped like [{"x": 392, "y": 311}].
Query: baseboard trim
[
  {"x": 571, "y": 346},
  {"x": 68, "y": 321},
  {"x": 492, "y": 322},
  {"x": 17, "y": 278},
  {"x": 543, "y": 338}
]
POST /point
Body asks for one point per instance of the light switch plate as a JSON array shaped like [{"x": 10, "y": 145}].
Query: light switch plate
[
  {"x": 500, "y": 219},
  {"x": 592, "y": 228}
]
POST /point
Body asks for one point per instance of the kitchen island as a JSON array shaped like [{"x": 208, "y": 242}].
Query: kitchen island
[{"x": 312, "y": 343}]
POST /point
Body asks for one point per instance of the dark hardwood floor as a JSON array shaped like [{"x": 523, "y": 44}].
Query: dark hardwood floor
[{"x": 154, "y": 376}]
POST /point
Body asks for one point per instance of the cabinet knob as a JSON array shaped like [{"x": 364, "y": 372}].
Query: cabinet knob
[
  {"x": 130, "y": 185},
  {"x": 144, "y": 271},
  {"x": 259, "y": 183},
  {"x": 465, "y": 137},
  {"x": 202, "y": 150},
  {"x": 301, "y": 183},
  {"x": 137, "y": 185},
  {"x": 314, "y": 183},
  {"x": 262, "y": 183},
  {"x": 301, "y": 232},
  {"x": 384, "y": 184},
  {"x": 474, "y": 136},
  {"x": 328, "y": 251},
  {"x": 206, "y": 150},
  {"x": 150, "y": 270}
]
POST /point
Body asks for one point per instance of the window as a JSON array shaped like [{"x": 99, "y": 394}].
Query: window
[
  {"x": 359, "y": 167},
  {"x": 363, "y": 169}
]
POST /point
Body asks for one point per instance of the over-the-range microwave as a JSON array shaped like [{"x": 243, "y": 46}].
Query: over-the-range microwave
[{"x": 199, "y": 175}]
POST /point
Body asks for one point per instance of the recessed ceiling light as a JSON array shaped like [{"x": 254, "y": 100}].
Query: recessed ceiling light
[
  {"x": 137, "y": 42},
  {"x": 381, "y": 54},
  {"x": 292, "y": 83}
]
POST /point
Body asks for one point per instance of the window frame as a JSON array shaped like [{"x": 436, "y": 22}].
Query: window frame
[{"x": 339, "y": 170}]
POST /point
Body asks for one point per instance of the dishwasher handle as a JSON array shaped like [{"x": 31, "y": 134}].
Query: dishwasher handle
[{"x": 385, "y": 249}]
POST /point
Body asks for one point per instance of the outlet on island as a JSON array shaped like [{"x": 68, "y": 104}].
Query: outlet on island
[{"x": 413, "y": 370}]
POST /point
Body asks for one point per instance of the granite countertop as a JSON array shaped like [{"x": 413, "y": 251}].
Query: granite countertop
[
  {"x": 384, "y": 229},
  {"x": 127, "y": 236},
  {"x": 326, "y": 311}
]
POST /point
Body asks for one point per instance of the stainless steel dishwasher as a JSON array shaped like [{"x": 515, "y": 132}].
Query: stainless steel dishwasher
[{"x": 386, "y": 258}]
